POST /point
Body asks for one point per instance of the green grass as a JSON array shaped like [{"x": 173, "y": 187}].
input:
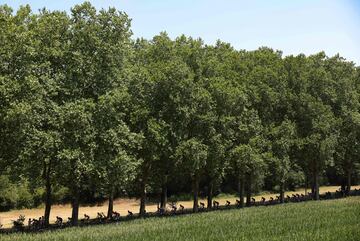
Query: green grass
[{"x": 322, "y": 220}]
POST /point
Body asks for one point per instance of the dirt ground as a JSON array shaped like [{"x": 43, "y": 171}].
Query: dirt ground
[{"x": 121, "y": 206}]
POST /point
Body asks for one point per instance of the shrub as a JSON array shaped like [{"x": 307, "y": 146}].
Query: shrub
[
  {"x": 7, "y": 195},
  {"x": 25, "y": 198}
]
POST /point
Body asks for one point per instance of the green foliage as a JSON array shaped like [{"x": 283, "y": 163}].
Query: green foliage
[
  {"x": 16, "y": 195},
  {"x": 116, "y": 144},
  {"x": 8, "y": 198},
  {"x": 86, "y": 109},
  {"x": 192, "y": 154},
  {"x": 282, "y": 140}
]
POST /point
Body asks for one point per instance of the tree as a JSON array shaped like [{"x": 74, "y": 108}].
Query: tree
[
  {"x": 41, "y": 147},
  {"x": 312, "y": 97},
  {"x": 192, "y": 155},
  {"x": 240, "y": 158},
  {"x": 347, "y": 151},
  {"x": 164, "y": 164},
  {"x": 215, "y": 164},
  {"x": 115, "y": 145},
  {"x": 39, "y": 91},
  {"x": 139, "y": 87},
  {"x": 318, "y": 146},
  {"x": 77, "y": 149},
  {"x": 346, "y": 108},
  {"x": 94, "y": 58},
  {"x": 168, "y": 73},
  {"x": 282, "y": 139},
  {"x": 85, "y": 107},
  {"x": 97, "y": 52}
]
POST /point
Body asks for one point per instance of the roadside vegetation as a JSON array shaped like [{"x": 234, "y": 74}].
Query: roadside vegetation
[{"x": 89, "y": 114}]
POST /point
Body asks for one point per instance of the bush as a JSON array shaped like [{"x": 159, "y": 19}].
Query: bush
[
  {"x": 15, "y": 195},
  {"x": 38, "y": 196},
  {"x": 25, "y": 198},
  {"x": 60, "y": 194},
  {"x": 19, "y": 194},
  {"x": 7, "y": 195}
]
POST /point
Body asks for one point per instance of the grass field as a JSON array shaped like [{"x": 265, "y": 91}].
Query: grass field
[
  {"x": 121, "y": 205},
  {"x": 315, "y": 220}
]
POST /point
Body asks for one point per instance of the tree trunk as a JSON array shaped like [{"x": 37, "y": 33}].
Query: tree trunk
[
  {"x": 142, "y": 198},
  {"x": 343, "y": 184},
  {"x": 248, "y": 192},
  {"x": 111, "y": 203},
  {"x": 196, "y": 193},
  {"x": 210, "y": 194},
  {"x": 313, "y": 185},
  {"x": 316, "y": 185},
  {"x": 143, "y": 181},
  {"x": 75, "y": 207},
  {"x": 313, "y": 189},
  {"x": 306, "y": 184},
  {"x": 48, "y": 200},
  {"x": 348, "y": 181},
  {"x": 282, "y": 192},
  {"x": 241, "y": 190},
  {"x": 163, "y": 200}
]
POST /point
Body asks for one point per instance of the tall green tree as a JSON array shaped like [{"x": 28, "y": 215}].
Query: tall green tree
[
  {"x": 140, "y": 87},
  {"x": 345, "y": 106},
  {"x": 192, "y": 155},
  {"x": 240, "y": 157},
  {"x": 114, "y": 159},
  {"x": 77, "y": 149},
  {"x": 215, "y": 164},
  {"x": 282, "y": 139},
  {"x": 39, "y": 90}
]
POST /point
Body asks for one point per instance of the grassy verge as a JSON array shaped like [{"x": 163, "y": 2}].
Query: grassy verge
[{"x": 322, "y": 220}]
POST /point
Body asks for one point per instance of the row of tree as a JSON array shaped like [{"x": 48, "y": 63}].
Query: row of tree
[{"x": 83, "y": 106}]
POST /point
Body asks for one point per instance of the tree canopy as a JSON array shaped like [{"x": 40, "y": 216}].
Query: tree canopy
[{"x": 88, "y": 112}]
